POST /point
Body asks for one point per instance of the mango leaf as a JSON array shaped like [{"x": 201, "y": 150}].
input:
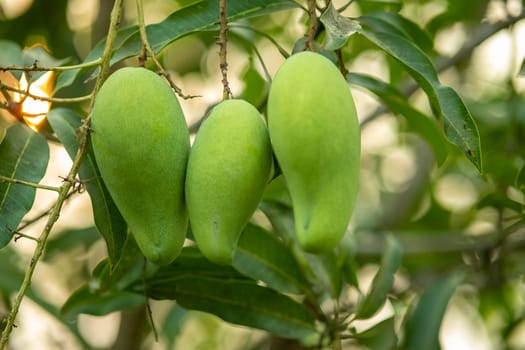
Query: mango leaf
[
  {"x": 459, "y": 126},
  {"x": 262, "y": 256},
  {"x": 109, "y": 221},
  {"x": 199, "y": 16},
  {"x": 383, "y": 281},
  {"x": 85, "y": 300},
  {"x": 381, "y": 336},
  {"x": 392, "y": 22},
  {"x": 190, "y": 262},
  {"x": 67, "y": 240},
  {"x": 338, "y": 28},
  {"x": 522, "y": 69},
  {"x": 424, "y": 322},
  {"x": 24, "y": 155},
  {"x": 11, "y": 56},
  {"x": 393, "y": 98},
  {"x": 247, "y": 304}
]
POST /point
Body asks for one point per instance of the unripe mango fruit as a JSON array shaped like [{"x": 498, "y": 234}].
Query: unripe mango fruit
[
  {"x": 228, "y": 168},
  {"x": 315, "y": 135},
  {"x": 141, "y": 144}
]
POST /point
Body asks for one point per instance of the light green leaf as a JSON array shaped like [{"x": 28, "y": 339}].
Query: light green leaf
[
  {"x": 109, "y": 221},
  {"x": 424, "y": 322},
  {"x": 397, "y": 103},
  {"x": 262, "y": 256},
  {"x": 383, "y": 281},
  {"x": 338, "y": 28},
  {"x": 248, "y": 304},
  {"x": 24, "y": 155}
]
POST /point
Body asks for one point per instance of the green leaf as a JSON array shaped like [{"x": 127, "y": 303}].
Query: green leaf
[
  {"x": 391, "y": 22},
  {"x": 109, "y": 221},
  {"x": 381, "y": 336},
  {"x": 262, "y": 256},
  {"x": 256, "y": 88},
  {"x": 423, "y": 324},
  {"x": 24, "y": 155},
  {"x": 86, "y": 301},
  {"x": 328, "y": 271},
  {"x": 383, "y": 280},
  {"x": 459, "y": 126},
  {"x": 338, "y": 28},
  {"x": 40, "y": 56},
  {"x": 11, "y": 56},
  {"x": 420, "y": 123},
  {"x": 67, "y": 240},
  {"x": 247, "y": 304},
  {"x": 522, "y": 69},
  {"x": 199, "y": 16},
  {"x": 520, "y": 179},
  {"x": 190, "y": 262}
]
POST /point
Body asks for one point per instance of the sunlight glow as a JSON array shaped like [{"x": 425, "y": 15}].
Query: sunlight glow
[{"x": 34, "y": 110}]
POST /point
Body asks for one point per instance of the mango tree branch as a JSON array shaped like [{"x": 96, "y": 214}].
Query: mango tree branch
[
  {"x": 223, "y": 44},
  {"x": 36, "y": 68},
  {"x": 149, "y": 51},
  {"x": 70, "y": 179}
]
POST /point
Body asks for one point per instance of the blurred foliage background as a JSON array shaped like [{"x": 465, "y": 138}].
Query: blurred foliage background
[{"x": 446, "y": 216}]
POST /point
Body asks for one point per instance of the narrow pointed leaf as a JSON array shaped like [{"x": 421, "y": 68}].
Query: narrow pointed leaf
[
  {"x": 383, "y": 280},
  {"x": 392, "y": 22},
  {"x": 397, "y": 103},
  {"x": 24, "y": 155},
  {"x": 424, "y": 323},
  {"x": 247, "y": 304},
  {"x": 108, "y": 219},
  {"x": 460, "y": 127},
  {"x": 262, "y": 256}
]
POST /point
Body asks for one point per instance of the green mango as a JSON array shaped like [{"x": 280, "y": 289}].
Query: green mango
[
  {"x": 315, "y": 135},
  {"x": 141, "y": 144},
  {"x": 229, "y": 166}
]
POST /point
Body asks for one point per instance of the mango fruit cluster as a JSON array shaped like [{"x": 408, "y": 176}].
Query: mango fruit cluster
[{"x": 162, "y": 186}]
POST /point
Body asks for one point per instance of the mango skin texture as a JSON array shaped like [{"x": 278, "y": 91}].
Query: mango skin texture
[
  {"x": 228, "y": 168},
  {"x": 315, "y": 135},
  {"x": 141, "y": 144}
]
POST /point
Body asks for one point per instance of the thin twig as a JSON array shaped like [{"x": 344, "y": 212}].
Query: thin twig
[
  {"x": 36, "y": 68},
  {"x": 148, "y": 50},
  {"x": 223, "y": 44},
  {"x": 29, "y": 184},
  {"x": 66, "y": 186},
  {"x": 313, "y": 24},
  {"x": 44, "y": 98}
]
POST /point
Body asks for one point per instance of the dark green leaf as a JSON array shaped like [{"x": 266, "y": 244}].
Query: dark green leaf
[
  {"x": 86, "y": 301},
  {"x": 199, "y": 16},
  {"x": 328, "y": 271},
  {"x": 256, "y": 88},
  {"x": 248, "y": 304},
  {"x": 338, "y": 28},
  {"x": 381, "y": 336},
  {"x": 67, "y": 240},
  {"x": 391, "y": 22},
  {"x": 262, "y": 256},
  {"x": 367, "y": 6},
  {"x": 397, "y": 103},
  {"x": 190, "y": 262},
  {"x": 172, "y": 325},
  {"x": 522, "y": 69},
  {"x": 108, "y": 219},
  {"x": 423, "y": 324},
  {"x": 458, "y": 124},
  {"x": 24, "y": 155},
  {"x": 520, "y": 179},
  {"x": 383, "y": 280}
]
